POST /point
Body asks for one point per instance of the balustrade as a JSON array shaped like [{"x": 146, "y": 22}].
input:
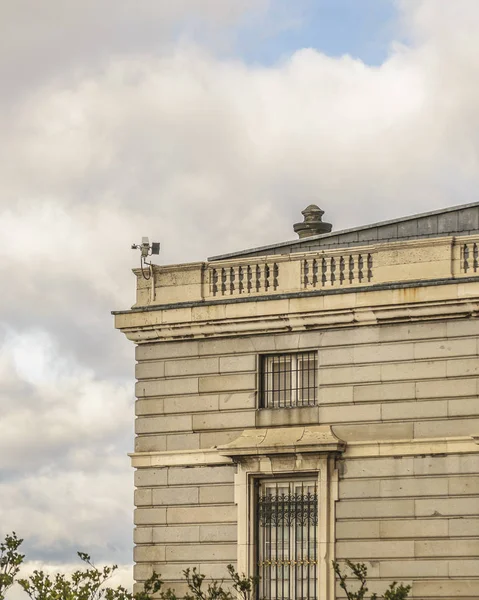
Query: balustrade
[{"x": 322, "y": 271}]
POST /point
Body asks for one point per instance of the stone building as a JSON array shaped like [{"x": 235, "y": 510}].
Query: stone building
[{"x": 314, "y": 400}]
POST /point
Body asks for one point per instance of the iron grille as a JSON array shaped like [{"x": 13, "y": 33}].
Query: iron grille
[
  {"x": 287, "y": 523},
  {"x": 289, "y": 380}
]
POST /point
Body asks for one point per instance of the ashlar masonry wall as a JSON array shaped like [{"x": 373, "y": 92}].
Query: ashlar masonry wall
[{"x": 408, "y": 502}]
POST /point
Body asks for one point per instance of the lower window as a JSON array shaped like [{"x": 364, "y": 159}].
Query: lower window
[{"x": 287, "y": 539}]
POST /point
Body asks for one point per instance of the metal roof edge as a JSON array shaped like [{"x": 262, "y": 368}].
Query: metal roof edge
[{"x": 342, "y": 231}]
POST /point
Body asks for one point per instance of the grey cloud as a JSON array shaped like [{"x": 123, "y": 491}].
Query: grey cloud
[{"x": 49, "y": 39}]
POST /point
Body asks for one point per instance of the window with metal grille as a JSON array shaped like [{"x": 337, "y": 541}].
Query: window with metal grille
[
  {"x": 287, "y": 539},
  {"x": 288, "y": 380}
]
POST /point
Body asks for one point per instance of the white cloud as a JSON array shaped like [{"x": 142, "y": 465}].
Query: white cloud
[{"x": 206, "y": 155}]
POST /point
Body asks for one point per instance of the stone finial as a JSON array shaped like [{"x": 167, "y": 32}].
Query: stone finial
[{"x": 312, "y": 224}]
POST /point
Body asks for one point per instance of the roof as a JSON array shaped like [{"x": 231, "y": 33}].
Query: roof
[{"x": 462, "y": 219}]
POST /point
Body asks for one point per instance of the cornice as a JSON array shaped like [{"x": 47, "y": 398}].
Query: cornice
[{"x": 289, "y": 318}]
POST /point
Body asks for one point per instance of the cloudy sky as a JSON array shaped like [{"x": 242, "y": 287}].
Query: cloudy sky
[{"x": 207, "y": 125}]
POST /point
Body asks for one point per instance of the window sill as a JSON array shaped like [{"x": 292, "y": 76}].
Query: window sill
[{"x": 283, "y": 417}]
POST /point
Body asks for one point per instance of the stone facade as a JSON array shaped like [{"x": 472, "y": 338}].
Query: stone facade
[{"x": 392, "y": 436}]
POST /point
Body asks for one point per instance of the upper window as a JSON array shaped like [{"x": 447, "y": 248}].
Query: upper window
[{"x": 288, "y": 380}]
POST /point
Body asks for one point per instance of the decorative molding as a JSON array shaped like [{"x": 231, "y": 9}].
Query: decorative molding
[
  {"x": 277, "y": 453},
  {"x": 317, "y": 439},
  {"x": 150, "y": 328}
]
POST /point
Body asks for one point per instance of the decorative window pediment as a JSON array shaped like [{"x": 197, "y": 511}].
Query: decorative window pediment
[{"x": 317, "y": 439}]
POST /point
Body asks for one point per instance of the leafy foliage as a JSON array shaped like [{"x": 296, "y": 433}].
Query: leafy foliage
[
  {"x": 360, "y": 572},
  {"x": 90, "y": 583},
  {"x": 10, "y": 561}
]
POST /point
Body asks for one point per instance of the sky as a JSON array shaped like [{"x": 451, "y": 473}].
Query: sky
[{"x": 207, "y": 125}]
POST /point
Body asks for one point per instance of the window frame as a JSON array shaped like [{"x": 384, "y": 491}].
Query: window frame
[
  {"x": 292, "y": 394},
  {"x": 288, "y": 549}
]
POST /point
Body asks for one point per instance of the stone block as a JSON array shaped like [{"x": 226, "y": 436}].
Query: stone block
[
  {"x": 446, "y": 548},
  {"x": 163, "y": 424},
  {"x": 350, "y": 337},
  {"x": 211, "y": 439},
  {"x": 462, "y": 367},
  {"x": 150, "y": 369},
  {"x": 186, "y": 441},
  {"x": 462, "y": 328},
  {"x": 239, "y": 401},
  {"x": 349, "y": 530},
  {"x": 460, "y": 527},
  {"x": 228, "y": 383},
  {"x": 336, "y": 356},
  {"x": 412, "y": 331},
  {"x": 384, "y": 391},
  {"x": 238, "y": 363},
  {"x": 374, "y": 431},
  {"x": 189, "y": 404},
  {"x": 153, "y": 407},
  {"x": 195, "y": 366},
  {"x": 438, "y": 465},
  {"x": 142, "y": 572},
  {"x": 334, "y": 395},
  {"x": 143, "y": 497},
  {"x": 414, "y": 410},
  {"x": 445, "y": 348},
  {"x": 224, "y": 420},
  {"x": 354, "y": 550},
  {"x": 465, "y": 485},
  {"x": 413, "y": 370},
  {"x": 377, "y": 467},
  {"x": 216, "y": 570},
  {"x": 166, "y": 350},
  {"x": 217, "y": 494},
  {"x": 218, "y": 533},
  {"x": 401, "y": 569},
  {"x": 446, "y": 388},
  {"x": 149, "y": 554},
  {"x": 364, "y": 488},
  {"x": 240, "y": 345},
  {"x": 460, "y": 407},
  {"x": 150, "y": 443},
  {"x": 279, "y": 417},
  {"x": 202, "y": 514},
  {"x": 383, "y": 353},
  {"x": 150, "y": 516},
  {"x": 143, "y": 535},
  {"x": 362, "y": 509},
  {"x": 349, "y": 375},
  {"x": 200, "y": 475},
  {"x": 349, "y": 414},
  {"x": 150, "y": 477},
  {"x": 223, "y": 552},
  {"x": 462, "y": 568},
  {"x": 414, "y": 528},
  {"x": 427, "y": 486},
  {"x": 445, "y": 507},
  {"x": 175, "y": 495},
  {"x": 449, "y": 428},
  {"x": 166, "y": 387},
  {"x": 177, "y": 535}
]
